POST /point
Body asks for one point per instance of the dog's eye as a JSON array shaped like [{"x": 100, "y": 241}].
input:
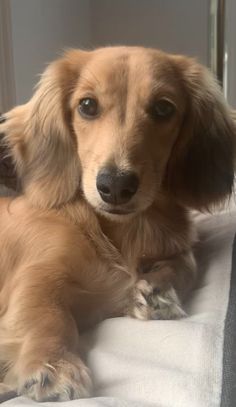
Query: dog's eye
[
  {"x": 162, "y": 109},
  {"x": 88, "y": 108}
]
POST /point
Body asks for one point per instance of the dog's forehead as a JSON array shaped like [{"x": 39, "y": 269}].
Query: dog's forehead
[{"x": 112, "y": 69}]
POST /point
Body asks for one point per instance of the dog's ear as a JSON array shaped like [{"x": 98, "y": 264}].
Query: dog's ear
[
  {"x": 40, "y": 137},
  {"x": 200, "y": 172}
]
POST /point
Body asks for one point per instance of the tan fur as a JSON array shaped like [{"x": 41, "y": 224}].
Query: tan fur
[{"x": 65, "y": 262}]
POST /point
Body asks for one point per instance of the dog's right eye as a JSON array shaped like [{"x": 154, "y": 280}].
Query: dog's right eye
[
  {"x": 88, "y": 108},
  {"x": 162, "y": 109}
]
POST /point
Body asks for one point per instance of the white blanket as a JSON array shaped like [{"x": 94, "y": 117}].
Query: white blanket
[{"x": 167, "y": 363}]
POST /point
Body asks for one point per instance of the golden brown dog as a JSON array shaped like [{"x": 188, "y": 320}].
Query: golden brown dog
[{"x": 112, "y": 149}]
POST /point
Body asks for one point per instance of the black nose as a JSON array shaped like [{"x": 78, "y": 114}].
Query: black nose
[{"x": 115, "y": 186}]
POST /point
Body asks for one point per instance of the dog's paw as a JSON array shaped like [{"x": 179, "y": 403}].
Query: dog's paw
[
  {"x": 151, "y": 303},
  {"x": 60, "y": 381}
]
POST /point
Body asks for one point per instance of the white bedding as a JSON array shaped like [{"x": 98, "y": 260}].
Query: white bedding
[{"x": 167, "y": 363}]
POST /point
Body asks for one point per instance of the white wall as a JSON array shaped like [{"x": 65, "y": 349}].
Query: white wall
[
  {"x": 230, "y": 45},
  {"x": 179, "y": 26},
  {"x": 40, "y": 29}
]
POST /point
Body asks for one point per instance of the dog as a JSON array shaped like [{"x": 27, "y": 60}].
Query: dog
[{"x": 114, "y": 149}]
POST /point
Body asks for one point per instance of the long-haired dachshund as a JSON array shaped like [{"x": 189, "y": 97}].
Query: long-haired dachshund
[{"x": 113, "y": 148}]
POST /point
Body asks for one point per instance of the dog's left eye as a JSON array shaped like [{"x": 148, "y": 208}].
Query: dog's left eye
[
  {"x": 88, "y": 108},
  {"x": 162, "y": 109}
]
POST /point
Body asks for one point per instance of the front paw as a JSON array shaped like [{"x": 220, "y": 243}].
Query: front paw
[
  {"x": 67, "y": 379},
  {"x": 151, "y": 303}
]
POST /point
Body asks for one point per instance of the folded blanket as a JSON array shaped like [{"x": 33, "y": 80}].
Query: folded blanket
[{"x": 186, "y": 363}]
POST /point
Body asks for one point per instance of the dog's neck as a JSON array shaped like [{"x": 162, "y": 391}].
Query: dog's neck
[{"x": 166, "y": 225}]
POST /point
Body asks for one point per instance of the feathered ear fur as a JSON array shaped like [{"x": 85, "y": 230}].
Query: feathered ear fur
[
  {"x": 200, "y": 171},
  {"x": 40, "y": 136}
]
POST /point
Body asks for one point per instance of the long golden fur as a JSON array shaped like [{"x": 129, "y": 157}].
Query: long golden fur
[{"x": 68, "y": 258}]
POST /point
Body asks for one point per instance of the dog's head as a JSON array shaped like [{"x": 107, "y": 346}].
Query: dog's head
[{"x": 123, "y": 126}]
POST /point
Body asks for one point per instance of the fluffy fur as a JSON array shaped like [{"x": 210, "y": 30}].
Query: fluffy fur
[{"x": 66, "y": 261}]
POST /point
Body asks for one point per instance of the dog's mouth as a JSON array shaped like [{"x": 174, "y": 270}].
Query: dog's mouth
[{"x": 114, "y": 211}]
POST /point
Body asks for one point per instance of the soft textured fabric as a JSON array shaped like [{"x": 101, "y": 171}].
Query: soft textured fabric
[
  {"x": 167, "y": 363},
  {"x": 228, "y": 397}
]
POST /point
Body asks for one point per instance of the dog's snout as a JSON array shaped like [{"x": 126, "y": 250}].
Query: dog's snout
[{"x": 115, "y": 186}]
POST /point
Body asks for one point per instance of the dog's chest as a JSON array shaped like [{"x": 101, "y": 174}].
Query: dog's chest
[{"x": 140, "y": 241}]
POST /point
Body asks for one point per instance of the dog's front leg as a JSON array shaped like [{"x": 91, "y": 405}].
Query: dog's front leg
[
  {"x": 161, "y": 287},
  {"x": 47, "y": 366}
]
